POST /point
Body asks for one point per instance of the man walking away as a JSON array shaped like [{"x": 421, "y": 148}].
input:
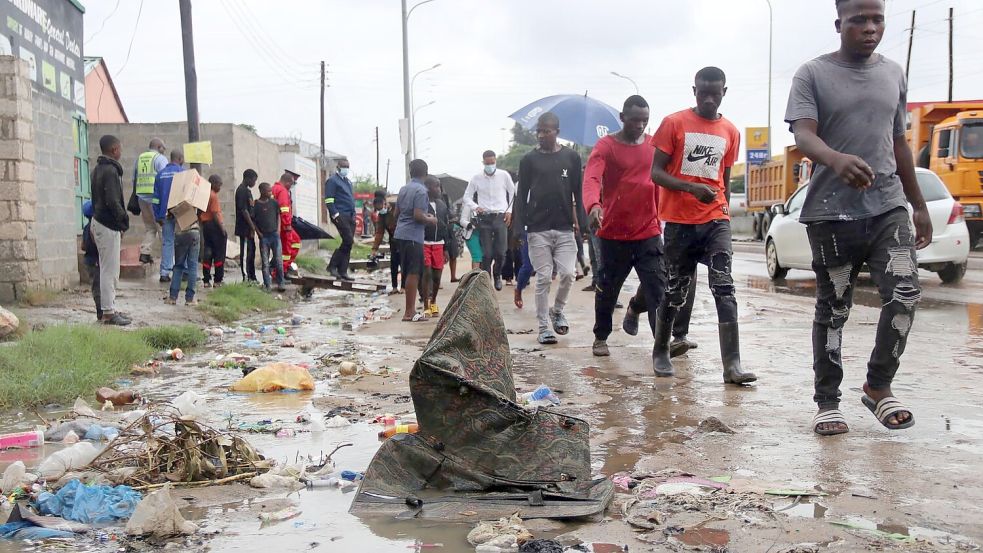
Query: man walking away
[
  {"x": 340, "y": 198},
  {"x": 413, "y": 204},
  {"x": 695, "y": 150},
  {"x": 266, "y": 216},
  {"x": 187, "y": 250},
  {"x": 162, "y": 194},
  {"x": 148, "y": 165},
  {"x": 91, "y": 257},
  {"x": 289, "y": 239},
  {"x": 386, "y": 224},
  {"x": 214, "y": 236},
  {"x": 619, "y": 171},
  {"x": 433, "y": 248},
  {"x": 492, "y": 213},
  {"x": 847, "y": 110},
  {"x": 550, "y": 185},
  {"x": 109, "y": 223},
  {"x": 245, "y": 229}
]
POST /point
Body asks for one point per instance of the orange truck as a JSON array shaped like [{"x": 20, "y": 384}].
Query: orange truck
[
  {"x": 772, "y": 183},
  {"x": 947, "y": 137}
]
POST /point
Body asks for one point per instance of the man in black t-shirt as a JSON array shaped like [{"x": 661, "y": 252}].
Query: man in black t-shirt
[
  {"x": 550, "y": 184},
  {"x": 266, "y": 217},
  {"x": 245, "y": 229}
]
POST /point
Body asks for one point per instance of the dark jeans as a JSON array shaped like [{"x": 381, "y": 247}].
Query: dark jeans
[
  {"x": 886, "y": 244},
  {"x": 525, "y": 269},
  {"x": 214, "y": 251},
  {"x": 594, "y": 250},
  {"x": 394, "y": 259},
  {"x": 341, "y": 257},
  {"x": 494, "y": 236},
  {"x": 707, "y": 243},
  {"x": 680, "y": 325},
  {"x": 93, "y": 271},
  {"x": 247, "y": 257},
  {"x": 645, "y": 256},
  {"x": 271, "y": 258},
  {"x": 187, "y": 246}
]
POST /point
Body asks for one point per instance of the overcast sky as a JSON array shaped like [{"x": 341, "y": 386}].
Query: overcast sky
[{"x": 258, "y": 62}]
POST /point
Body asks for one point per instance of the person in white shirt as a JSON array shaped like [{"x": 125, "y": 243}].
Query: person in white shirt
[{"x": 489, "y": 195}]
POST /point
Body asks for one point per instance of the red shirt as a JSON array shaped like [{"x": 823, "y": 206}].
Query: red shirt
[
  {"x": 282, "y": 197},
  {"x": 619, "y": 178},
  {"x": 214, "y": 210},
  {"x": 700, "y": 150}
]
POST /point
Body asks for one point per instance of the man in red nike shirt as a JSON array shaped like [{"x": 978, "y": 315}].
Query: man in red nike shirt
[
  {"x": 619, "y": 170},
  {"x": 695, "y": 149}
]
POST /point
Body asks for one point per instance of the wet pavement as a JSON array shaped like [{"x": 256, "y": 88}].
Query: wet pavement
[{"x": 923, "y": 483}]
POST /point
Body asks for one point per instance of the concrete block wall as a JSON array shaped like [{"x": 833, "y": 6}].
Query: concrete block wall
[
  {"x": 57, "y": 206},
  {"x": 19, "y": 267}
]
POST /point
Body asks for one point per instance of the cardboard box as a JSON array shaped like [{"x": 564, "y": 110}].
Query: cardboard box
[{"x": 189, "y": 193}]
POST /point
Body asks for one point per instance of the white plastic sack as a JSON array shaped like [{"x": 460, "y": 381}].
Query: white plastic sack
[
  {"x": 158, "y": 516},
  {"x": 13, "y": 477},
  {"x": 76, "y": 457},
  {"x": 190, "y": 405}
]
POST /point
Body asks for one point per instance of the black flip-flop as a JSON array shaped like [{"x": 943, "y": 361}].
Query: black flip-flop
[{"x": 886, "y": 407}]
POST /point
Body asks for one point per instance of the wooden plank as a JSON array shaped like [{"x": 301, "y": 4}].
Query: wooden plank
[{"x": 309, "y": 283}]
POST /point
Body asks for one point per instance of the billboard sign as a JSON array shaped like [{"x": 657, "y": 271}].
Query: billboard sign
[
  {"x": 757, "y": 144},
  {"x": 47, "y": 34}
]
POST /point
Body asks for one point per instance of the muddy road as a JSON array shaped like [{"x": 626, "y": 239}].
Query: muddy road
[{"x": 914, "y": 490}]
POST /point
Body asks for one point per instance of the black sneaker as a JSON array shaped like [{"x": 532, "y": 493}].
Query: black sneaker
[
  {"x": 347, "y": 277},
  {"x": 498, "y": 283},
  {"x": 165, "y": 278},
  {"x": 146, "y": 259}
]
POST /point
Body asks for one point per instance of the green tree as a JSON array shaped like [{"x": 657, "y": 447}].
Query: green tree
[
  {"x": 364, "y": 184},
  {"x": 248, "y": 127},
  {"x": 523, "y": 142}
]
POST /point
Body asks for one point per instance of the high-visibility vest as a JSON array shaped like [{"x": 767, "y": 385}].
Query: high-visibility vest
[{"x": 146, "y": 174}]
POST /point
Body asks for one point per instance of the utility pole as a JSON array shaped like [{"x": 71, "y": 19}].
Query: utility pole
[
  {"x": 190, "y": 76},
  {"x": 377, "y": 155},
  {"x": 388, "y": 161},
  {"x": 951, "y": 69},
  {"x": 911, "y": 42},
  {"x": 322, "y": 112},
  {"x": 406, "y": 92},
  {"x": 771, "y": 48}
]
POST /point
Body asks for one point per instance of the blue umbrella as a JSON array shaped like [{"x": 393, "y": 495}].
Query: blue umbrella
[{"x": 583, "y": 120}]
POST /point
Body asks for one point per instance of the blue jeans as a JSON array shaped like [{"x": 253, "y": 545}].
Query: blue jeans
[
  {"x": 167, "y": 247},
  {"x": 187, "y": 246},
  {"x": 270, "y": 249},
  {"x": 525, "y": 270}
]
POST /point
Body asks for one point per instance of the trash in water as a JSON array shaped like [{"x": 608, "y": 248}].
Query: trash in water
[
  {"x": 503, "y": 533},
  {"x": 122, "y": 397},
  {"x": 20, "y": 440},
  {"x": 97, "y": 433},
  {"x": 281, "y": 515},
  {"x": 540, "y": 397},
  {"x": 189, "y": 405},
  {"x": 410, "y": 428},
  {"x": 541, "y": 546},
  {"x": 347, "y": 368},
  {"x": 158, "y": 516},
  {"x": 337, "y": 421},
  {"x": 15, "y": 476},
  {"x": 285, "y": 433},
  {"x": 76, "y": 457},
  {"x": 171, "y": 354},
  {"x": 276, "y": 377},
  {"x": 89, "y": 504}
]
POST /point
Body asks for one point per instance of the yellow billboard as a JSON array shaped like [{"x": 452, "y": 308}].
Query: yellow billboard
[{"x": 756, "y": 138}]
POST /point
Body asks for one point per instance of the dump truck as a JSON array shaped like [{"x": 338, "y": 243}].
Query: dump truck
[
  {"x": 947, "y": 137},
  {"x": 772, "y": 183}
]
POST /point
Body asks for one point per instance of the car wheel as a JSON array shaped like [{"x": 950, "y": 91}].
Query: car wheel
[
  {"x": 952, "y": 273},
  {"x": 756, "y": 227},
  {"x": 775, "y": 271}
]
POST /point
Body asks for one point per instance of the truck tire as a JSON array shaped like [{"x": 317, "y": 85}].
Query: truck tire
[
  {"x": 765, "y": 224},
  {"x": 952, "y": 273},
  {"x": 756, "y": 227},
  {"x": 775, "y": 271}
]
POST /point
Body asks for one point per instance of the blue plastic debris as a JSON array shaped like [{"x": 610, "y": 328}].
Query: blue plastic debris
[
  {"x": 90, "y": 504},
  {"x": 24, "y": 530}
]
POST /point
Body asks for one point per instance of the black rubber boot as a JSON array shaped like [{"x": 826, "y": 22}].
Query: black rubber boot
[
  {"x": 661, "y": 363},
  {"x": 730, "y": 354}
]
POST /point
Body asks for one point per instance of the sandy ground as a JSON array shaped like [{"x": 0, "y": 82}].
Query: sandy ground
[{"x": 923, "y": 483}]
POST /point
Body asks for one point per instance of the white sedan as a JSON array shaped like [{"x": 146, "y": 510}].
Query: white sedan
[{"x": 787, "y": 245}]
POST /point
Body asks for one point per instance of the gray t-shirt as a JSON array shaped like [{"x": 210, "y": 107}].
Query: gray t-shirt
[
  {"x": 860, "y": 110},
  {"x": 412, "y": 196}
]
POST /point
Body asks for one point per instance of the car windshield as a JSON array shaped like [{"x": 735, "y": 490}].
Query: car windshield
[
  {"x": 932, "y": 186},
  {"x": 971, "y": 142}
]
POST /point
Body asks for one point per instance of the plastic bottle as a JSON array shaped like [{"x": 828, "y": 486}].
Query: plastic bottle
[
  {"x": 411, "y": 428},
  {"x": 60, "y": 462},
  {"x": 541, "y": 396},
  {"x": 34, "y": 438},
  {"x": 351, "y": 475}
]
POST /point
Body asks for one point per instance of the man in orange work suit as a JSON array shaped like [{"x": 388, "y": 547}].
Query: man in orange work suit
[{"x": 288, "y": 236}]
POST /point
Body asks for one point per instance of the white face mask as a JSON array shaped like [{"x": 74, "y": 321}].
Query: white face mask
[
  {"x": 490, "y": 169},
  {"x": 343, "y": 172}
]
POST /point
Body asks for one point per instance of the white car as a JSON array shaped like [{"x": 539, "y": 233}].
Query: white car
[{"x": 787, "y": 245}]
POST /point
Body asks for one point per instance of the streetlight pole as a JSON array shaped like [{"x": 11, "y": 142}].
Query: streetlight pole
[
  {"x": 412, "y": 122},
  {"x": 430, "y": 103},
  {"x": 771, "y": 28},
  {"x": 629, "y": 79},
  {"x": 406, "y": 77}
]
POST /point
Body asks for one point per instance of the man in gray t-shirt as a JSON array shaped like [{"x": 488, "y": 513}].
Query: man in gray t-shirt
[
  {"x": 847, "y": 110},
  {"x": 411, "y": 222}
]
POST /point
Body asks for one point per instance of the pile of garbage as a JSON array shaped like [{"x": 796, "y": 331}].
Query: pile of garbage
[{"x": 164, "y": 444}]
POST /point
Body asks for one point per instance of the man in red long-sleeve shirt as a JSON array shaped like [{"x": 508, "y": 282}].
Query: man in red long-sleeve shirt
[
  {"x": 288, "y": 236},
  {"x": 619, "y": 171}
]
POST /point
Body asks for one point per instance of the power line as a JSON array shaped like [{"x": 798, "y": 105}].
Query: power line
[
  {"x": 103, "y": 26},
  {"x": 129, "y": 50},
  {"x": 267, "y": 58}
]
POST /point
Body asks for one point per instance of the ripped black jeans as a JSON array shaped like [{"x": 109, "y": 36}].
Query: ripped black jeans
[
  {"x": 886, "y": 244},
  {"x": 707, "y": 243}
]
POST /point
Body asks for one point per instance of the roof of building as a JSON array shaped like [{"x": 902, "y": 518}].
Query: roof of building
[
  {"x": 91, "y": 62},
  {"x": 306, "y": 149}
]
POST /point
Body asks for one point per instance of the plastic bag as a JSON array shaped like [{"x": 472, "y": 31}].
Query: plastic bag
[
  {"x": 75, "y": 457},
  {"x": 276, "y": 377},
  {"x": 190, "y": 405},
  {"x": 158, "y": 515},
  {"x": 90, "y": 504},
  {"x": 23, "y": 530},
  {"x": 13, "y": 477}
]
